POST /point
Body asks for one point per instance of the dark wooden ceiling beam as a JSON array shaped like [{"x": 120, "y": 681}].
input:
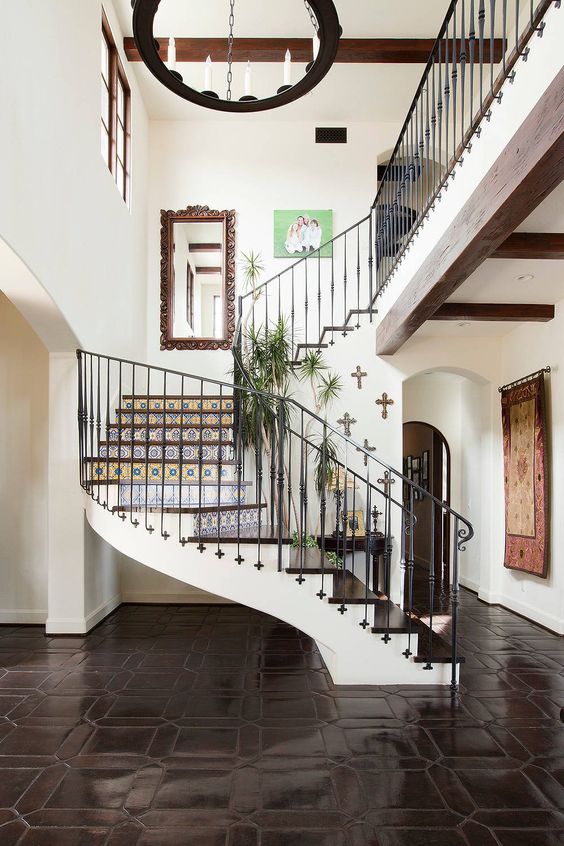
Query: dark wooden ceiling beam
[
  {"x": 204, "y": 248},
  {"x": 532, "y": 245},
  {"x": 351, "y": 50},
  {"x": 504, "y": 312},
  {"x": 528, "y": 169}
]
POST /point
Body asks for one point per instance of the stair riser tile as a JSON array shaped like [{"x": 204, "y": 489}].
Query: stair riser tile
[
  {"x": 137, "y": 495},
  {"x": 173, "y": 418},
  {"x": 112, "y": 470},
  {"x": 191, "y": 435},
  {"x": 230, "y": 521},
  {"x": 172, "y": 453},
  {"x": 176, "y": 404}
]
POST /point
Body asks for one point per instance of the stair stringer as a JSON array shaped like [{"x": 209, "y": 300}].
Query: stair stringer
[{"x": 353, "y": 655}]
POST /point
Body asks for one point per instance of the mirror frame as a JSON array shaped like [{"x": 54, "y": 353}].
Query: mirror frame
[{"x": 197, "y": 214}]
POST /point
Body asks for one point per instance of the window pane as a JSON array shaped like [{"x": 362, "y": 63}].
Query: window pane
[
  {"x": 105, "y": 59},
  {"x": 121, "y": 101},
  {"x": 120, "y": 178},
  {"x": 121, "y": 142},
  {"x": 104, "y": 148},
  {"x": 105, "y": 104}
]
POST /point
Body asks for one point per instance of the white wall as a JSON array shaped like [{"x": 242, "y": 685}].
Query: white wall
[
  {"x": 143, "y": 584},
  {"x": 254, "y": 168},
  {"x": 59, "y": 208},
  {"x": 24, "y": 381},
  {"x": 525, "y": 350}
]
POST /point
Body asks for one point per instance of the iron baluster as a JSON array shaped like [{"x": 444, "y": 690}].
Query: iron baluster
[
  {"x": 463, "y": 59},
  {"x": 455, "y": 604},
  {"x": 492, "y": 35},
  {"x": 239, "y": 441},
  {"x": 306, "y": 304},
  {"x": 107, "y": 438},
  {"x": 454, "y": 79},
  {"x": 280, "y": 499},
  {"x": 447, "y": 101},
  {"x": 323, "y": 509},
  {"x": 293, "y": 353},
  {"x": 146, "y": 448},
  {"x": 119, "y": 431},
  {"x": 273, "y": 473},
  {"x": 343, "y": 530},
  {"x": 80, "y": 419},
  {"x": 200, "y": 547},
  {"x": 368, "y": 540},
  {"x": 132, "y": 448},
  {"x": 410, "y": 569},
  {"x": 319, "y": 299},
  {"x": 302, "y": 536},
  {"x": 91, "y": 425},
  {"x": 332, "y": 341},
  {"x": 98, "y": 427},
  {"x": 472, "y": 52},
  {"x": 370, "y": 269},
  {"x": 181, "y": 537},
  {"x": 357, "y": 277},
  {"x": 259, "y": 473},
  {"x": 218, "y": 553},
  {"x": 481, "y": 30},
  {"x": 164, "y": 532},
  {"x": 429, "y": 664},
  {"x": 344, "y": 328}
]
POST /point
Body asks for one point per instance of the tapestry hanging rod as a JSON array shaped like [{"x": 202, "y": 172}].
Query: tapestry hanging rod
[{"x": 524, "y": 379}]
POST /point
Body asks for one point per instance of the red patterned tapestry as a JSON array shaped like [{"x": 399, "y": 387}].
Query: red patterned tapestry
[{"x": 526, "y": 471}]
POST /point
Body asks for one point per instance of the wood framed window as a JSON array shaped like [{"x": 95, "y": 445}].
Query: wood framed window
[{"x": 115, "y": 113}]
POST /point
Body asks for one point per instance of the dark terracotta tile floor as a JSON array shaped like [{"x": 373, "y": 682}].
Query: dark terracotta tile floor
[{"x": 219, "y": 726}]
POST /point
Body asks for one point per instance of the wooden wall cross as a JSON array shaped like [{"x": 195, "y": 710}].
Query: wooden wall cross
[
  {"x": 384, "y": 402},
  {"x": 368, "y": 448},
  {"x": 359, "y": 375},
  {"x": 347, "y": 421}
]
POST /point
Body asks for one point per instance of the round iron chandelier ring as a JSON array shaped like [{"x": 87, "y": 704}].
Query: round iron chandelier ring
[{"x": 329, "y": 33}]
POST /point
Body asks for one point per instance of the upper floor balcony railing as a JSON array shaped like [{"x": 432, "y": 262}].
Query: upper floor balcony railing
[{"x": 327, "y": 290}]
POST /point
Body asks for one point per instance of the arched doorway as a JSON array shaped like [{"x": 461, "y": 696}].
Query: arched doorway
[{"x": 426, "y": 456}]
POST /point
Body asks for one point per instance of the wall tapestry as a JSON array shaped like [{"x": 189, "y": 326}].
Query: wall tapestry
[
  {"x": 526, "y": 471},
  {"x": 298, "y": 232}
]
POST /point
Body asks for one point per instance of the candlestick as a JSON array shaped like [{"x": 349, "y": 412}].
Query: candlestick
[
  {"x": 288, "y": 68},
  {"x": 171, "y": 58},
  {"x": 208, "y": 74},
  {"x": 315, "y": 46},
  {"x": 248, "y": 80}
]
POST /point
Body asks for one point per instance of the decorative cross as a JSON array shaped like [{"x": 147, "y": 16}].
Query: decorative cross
[
  {"x": 384, "y": 402},
  {"x": 387, "y": 481},
  {"x": 347, "y": 421},
  {"x": 376, "y": 514},
  {"x": 359, "y": 375},
  {"x": 367, "y": 447}
]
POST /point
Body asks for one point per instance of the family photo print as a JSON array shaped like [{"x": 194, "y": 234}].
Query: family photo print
[{"x": 299, "y": 232}]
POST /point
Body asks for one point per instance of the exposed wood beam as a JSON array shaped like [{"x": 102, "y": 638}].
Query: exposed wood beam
[
  {"x": 532, "y": 245},
  {"x": 504, "y": 312},
  {"x": 209, "y": 270},
  {"x": 351, "y": 50},
  {"x": 204, "y": 248},
  {"x": 528, "y": 169}
]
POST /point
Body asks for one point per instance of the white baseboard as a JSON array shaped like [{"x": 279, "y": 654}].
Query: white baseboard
[
  {"x": 102, "y": 611},
  {"x": 22, "y": 616},
  {"x": 199, "y": 598},
  {"x": 470, "y": 584},
  {"x": 535, "y": 615},
  {"x": 82, "y": 625}
]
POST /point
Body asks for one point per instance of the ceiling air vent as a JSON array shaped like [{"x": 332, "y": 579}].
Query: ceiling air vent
[{"x": 330, "y": 135}]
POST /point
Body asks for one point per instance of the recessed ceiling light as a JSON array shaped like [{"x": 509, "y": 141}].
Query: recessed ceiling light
[
  {"x": 526, "y": 277},
  {"x": 462, "y": 324}
]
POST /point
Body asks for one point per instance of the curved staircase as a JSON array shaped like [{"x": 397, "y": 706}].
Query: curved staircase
[{"x": 172, "y": 454}]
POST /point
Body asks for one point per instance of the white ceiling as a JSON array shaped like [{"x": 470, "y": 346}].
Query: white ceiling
[{"x": 350, "y": 92}]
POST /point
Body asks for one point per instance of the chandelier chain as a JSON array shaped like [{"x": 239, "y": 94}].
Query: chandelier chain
[
  {"x": 230, "y": 47},
  {"x": 311, "y": 16}
]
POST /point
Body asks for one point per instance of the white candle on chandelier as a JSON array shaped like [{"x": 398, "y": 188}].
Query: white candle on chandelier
[
  {"x": 171, "y": 59},
  {"x": 288, "y": 68},
  {"x": 248, "y": 80},
  {"x": 315, "y": 46},
  {"x": 208, "y": 75}
]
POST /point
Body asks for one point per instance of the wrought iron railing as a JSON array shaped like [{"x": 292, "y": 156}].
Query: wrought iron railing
[
  {"x": 326, "y": 292},
  {"x": 161, "y": 448}
]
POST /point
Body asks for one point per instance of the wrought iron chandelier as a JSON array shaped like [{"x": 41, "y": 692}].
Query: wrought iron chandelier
[{"x": 327, "y": 32}]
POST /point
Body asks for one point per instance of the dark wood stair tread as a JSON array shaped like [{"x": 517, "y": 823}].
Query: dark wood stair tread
[
  {"x": 388, "y": 617},
  {"x": 349, "y": 590},
  {"x": 310, "y": 563}
]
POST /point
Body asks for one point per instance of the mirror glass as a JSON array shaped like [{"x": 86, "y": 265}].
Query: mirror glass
[
  {"x": 198, "y": 273},
  {"x": 197, "y": 282}
]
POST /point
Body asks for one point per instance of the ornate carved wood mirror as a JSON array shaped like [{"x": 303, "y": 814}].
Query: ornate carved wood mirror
[{"x": 197, "y": 279}]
